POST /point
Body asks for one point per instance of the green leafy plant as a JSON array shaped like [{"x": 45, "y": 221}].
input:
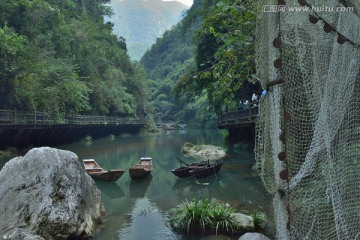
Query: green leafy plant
[
  {"x": 259, "y": 219},
  {"x": 190, "y": 216},
  {"x": 202, "y": 215},
  {"x": 222, "y": 217}
]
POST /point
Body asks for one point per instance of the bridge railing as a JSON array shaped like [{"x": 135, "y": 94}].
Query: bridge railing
[
  {"x": 12, "y": 117},
  {"x": 237, "y": 116}
]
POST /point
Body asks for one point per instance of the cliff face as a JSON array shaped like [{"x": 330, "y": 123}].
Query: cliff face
[{"x": 140, "y": 22}]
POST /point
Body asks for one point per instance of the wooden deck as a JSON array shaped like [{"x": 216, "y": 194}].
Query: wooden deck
[
  {"x": 13, "y": 117},
  {"x": 238, "y": 118},
  {"x": 22, "y": 129}
]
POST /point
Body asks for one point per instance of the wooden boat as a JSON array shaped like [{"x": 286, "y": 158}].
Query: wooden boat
[
  {"x": 183, "y": 171},
  {"x": 142, "y": 169},
  {"x": 98, "y": 173},
  {"x": 207, "y": 170}
]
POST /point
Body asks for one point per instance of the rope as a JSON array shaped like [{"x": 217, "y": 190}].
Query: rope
[
  {"x": 214, "y": 172},
  {"x": 182, "y": 161},
  {"x": 356, "y": 237}
]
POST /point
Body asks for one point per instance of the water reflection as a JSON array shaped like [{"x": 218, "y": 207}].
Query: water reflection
[
  {"x": 112, "y": 189},
  {"x": 146, "y": 222},
  {"x": 138, "y": 188},
  {"x": 196, "y": 184}
]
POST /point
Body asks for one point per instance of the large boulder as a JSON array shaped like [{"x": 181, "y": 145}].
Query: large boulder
[
  {"x": 202, "y": 151},
  {"x": 47, "y": 194}
]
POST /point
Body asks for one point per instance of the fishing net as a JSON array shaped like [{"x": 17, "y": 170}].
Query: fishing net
[{"x": 308, "y": 129}]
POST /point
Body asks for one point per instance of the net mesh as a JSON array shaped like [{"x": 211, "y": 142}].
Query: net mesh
[{"x": 312, "y": 119}]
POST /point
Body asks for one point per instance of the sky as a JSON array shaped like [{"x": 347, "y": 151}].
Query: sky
[{"x": 186, "y": 2}]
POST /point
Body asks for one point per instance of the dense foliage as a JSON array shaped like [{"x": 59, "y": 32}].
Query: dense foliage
[
  {"x": 224, "y": 58},
  {"x": 60, "y": 57}
]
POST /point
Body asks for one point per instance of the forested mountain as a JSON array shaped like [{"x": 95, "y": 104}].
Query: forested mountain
[
  {"x": 141, "y": 22},
  {"x": 60, "y": 57},
  {"x": 205, "y": 63},
  {"x": 166, "y": 62}
]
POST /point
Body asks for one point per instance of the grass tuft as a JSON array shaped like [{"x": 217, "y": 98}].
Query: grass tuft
[{"x": 201, "y": 215}]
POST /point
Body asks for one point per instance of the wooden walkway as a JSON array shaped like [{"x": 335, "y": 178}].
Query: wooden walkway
[
  {"x": 21, "y": 129},
  {"x": 238, "y": 118},
  {"x": 11, "y": 118}
]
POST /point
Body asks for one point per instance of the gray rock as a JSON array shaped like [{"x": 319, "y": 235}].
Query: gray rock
[
  {"x": 244, "y": 222},
  {"x": 253, "y": 236},
  {"x": 19, "y": 233},
  {"x": 46, "y": 194}
]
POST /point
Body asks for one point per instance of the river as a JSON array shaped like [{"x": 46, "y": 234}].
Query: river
[{"x": 139, "y": 210}]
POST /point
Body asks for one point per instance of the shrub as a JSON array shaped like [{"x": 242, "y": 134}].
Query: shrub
[
  {"x": 201, "y": 215},
  {"x": 259, "y": 219}
]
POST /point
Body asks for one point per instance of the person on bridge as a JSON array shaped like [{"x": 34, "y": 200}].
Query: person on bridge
[
  {"x": 254, "y": 97},
  {"x": 241, "y": 104},
  {"x": 246, "y": 105}
]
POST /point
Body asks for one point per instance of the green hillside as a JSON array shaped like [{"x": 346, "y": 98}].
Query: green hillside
[{"x": 59, "y": 57}]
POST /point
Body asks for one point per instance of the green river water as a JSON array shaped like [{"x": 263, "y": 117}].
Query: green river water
[{"x": 139, "y": 210}]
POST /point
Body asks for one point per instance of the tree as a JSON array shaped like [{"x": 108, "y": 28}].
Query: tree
[
  {"x": 12, "y": 50},
  {"x": 224, "y": 55}
]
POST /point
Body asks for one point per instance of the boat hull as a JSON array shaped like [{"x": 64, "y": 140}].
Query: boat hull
[
  {"x": 107, "y": 176},
  {"x": 206, "y": 171},
  {"x": 98, "y": 173},
  {"x": 181, "y": 172},
  {"x": 184, "y": 171},
  {"x": 138, "y": 173}
]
